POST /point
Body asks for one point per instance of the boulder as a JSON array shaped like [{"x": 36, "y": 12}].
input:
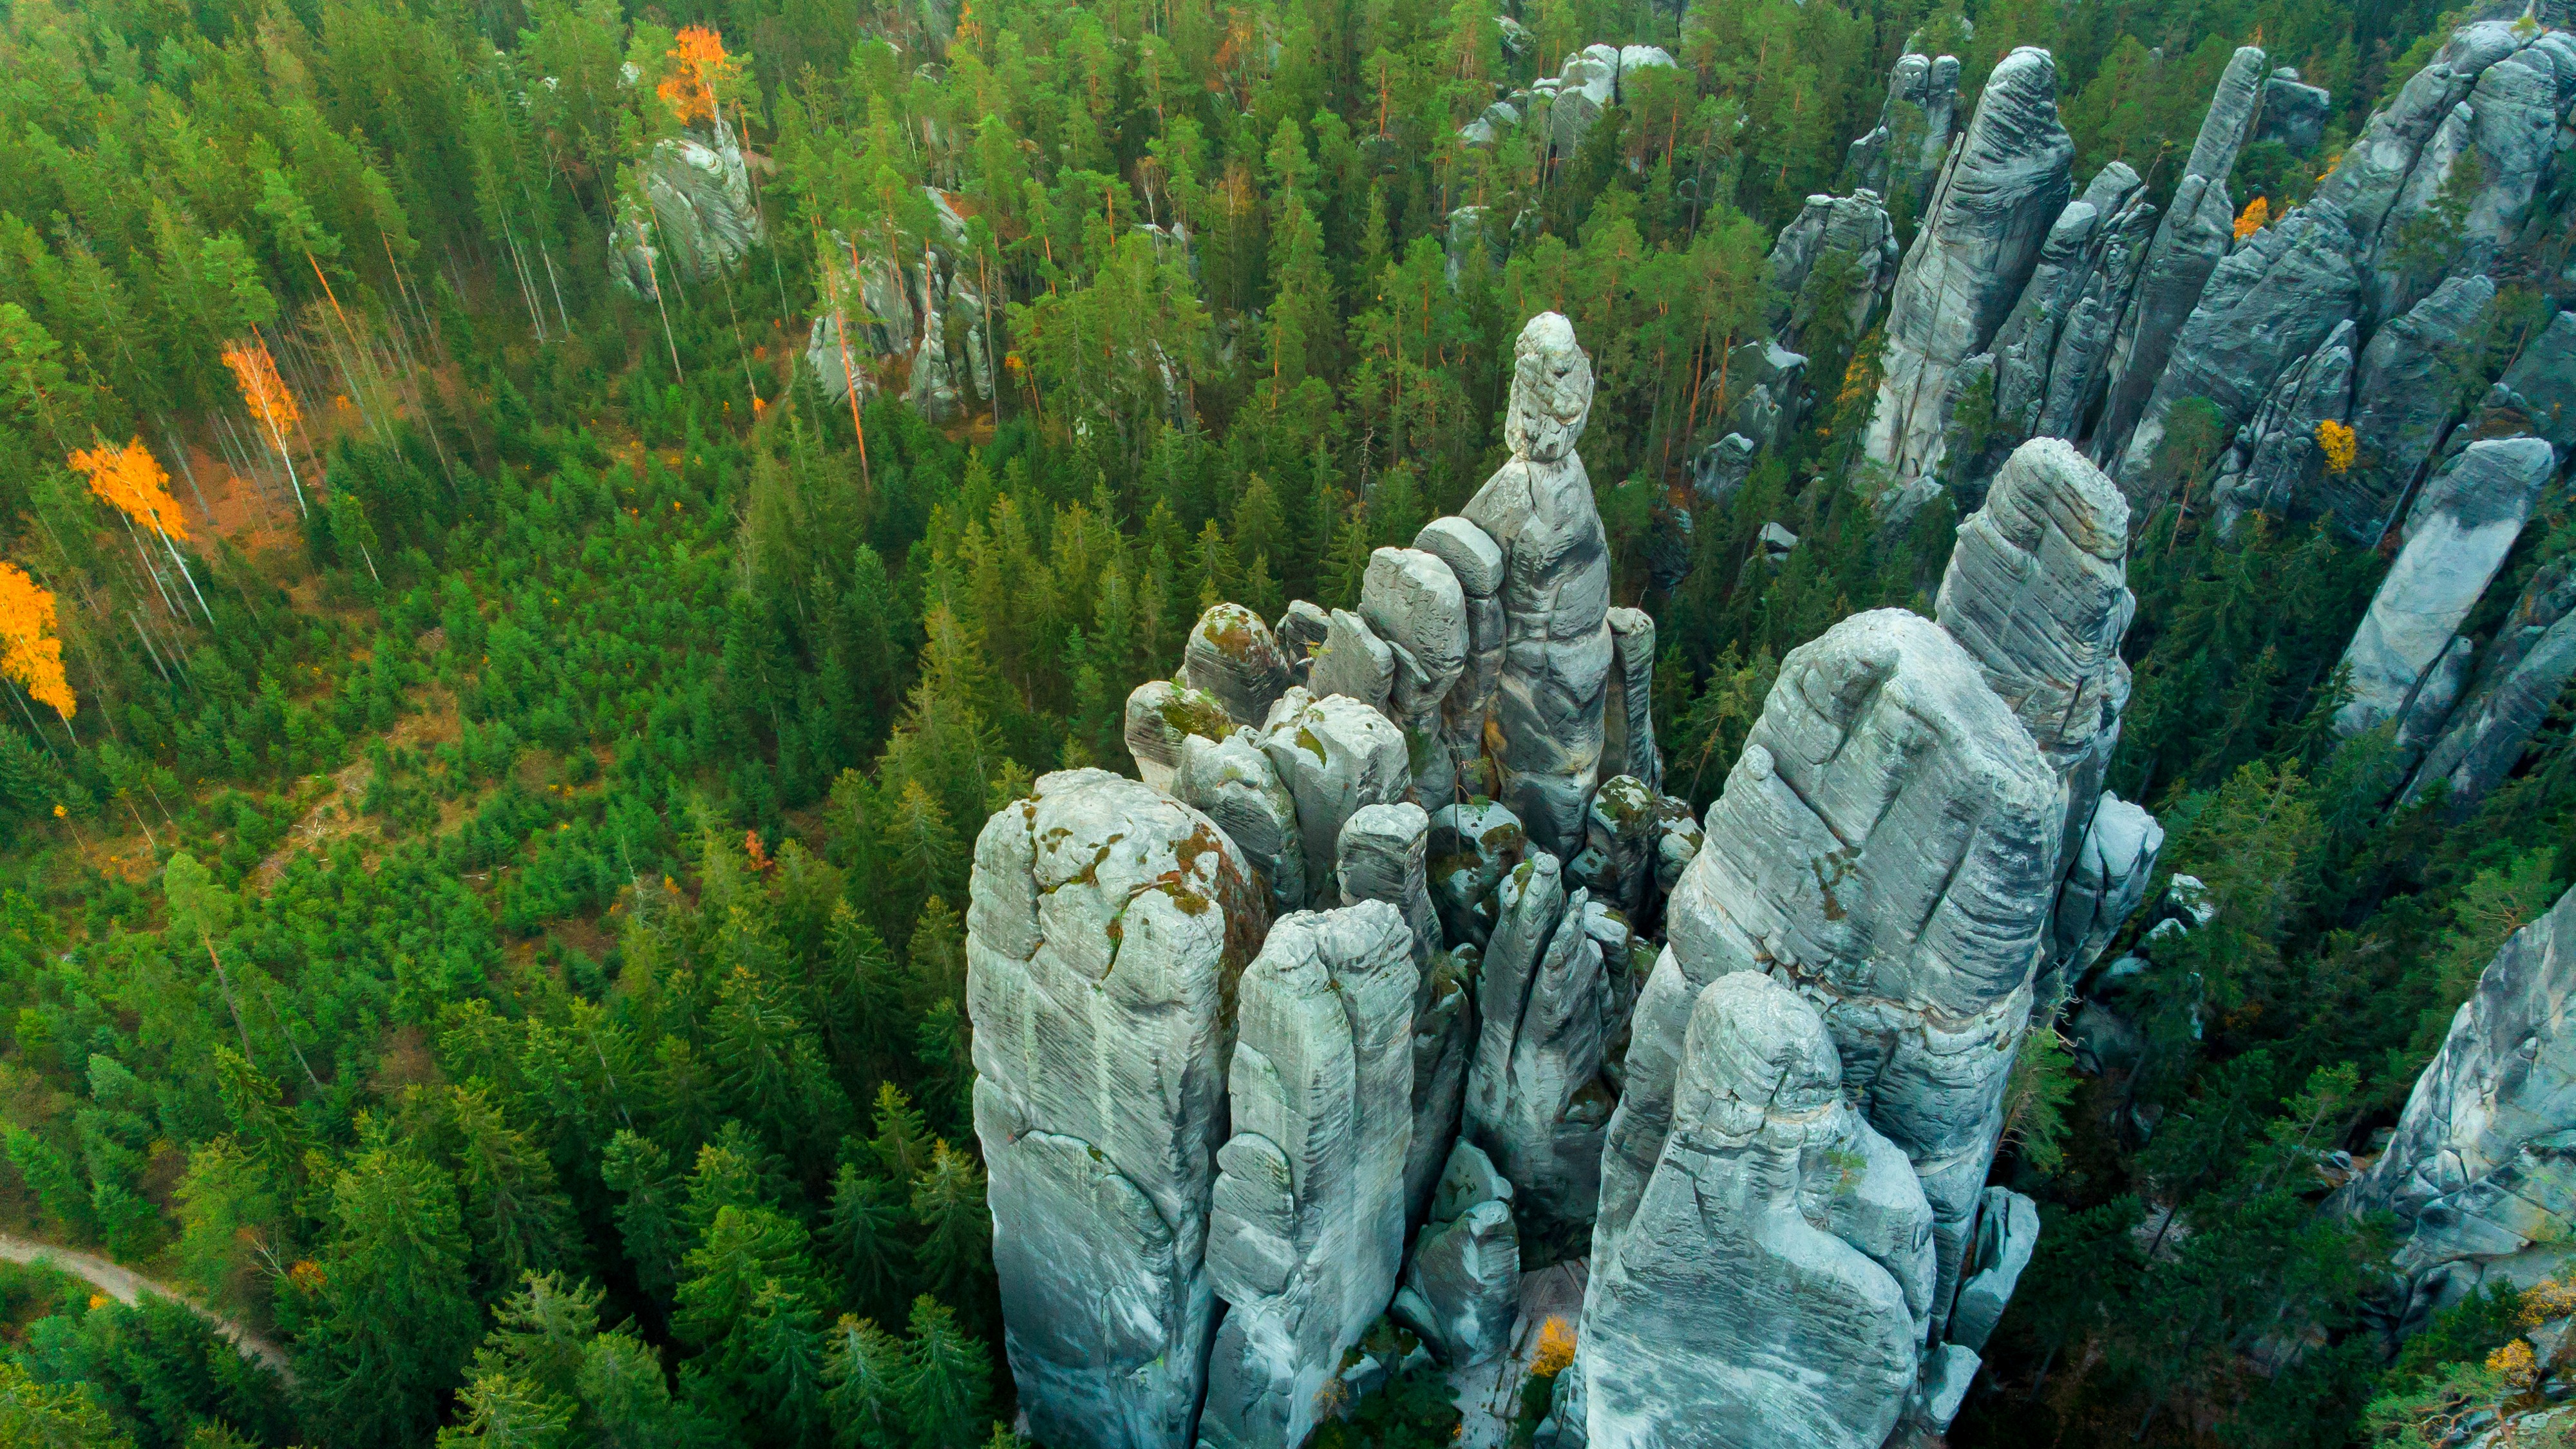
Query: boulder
[
  {"x": 1887, "y": 844},
  {"x": 1382, "y": 856},
  {"x": 1306, "y": 1229},
  {"x": 1336, "y": 756},
  {"x": 2007, "y": 1232},
  {"x": 1760, "y": 388},
  {"x": 1981, "y": 236},
  {"x": 1232, "y": 655},
  {"x": 1160, "y": 715},
  {"x": 1677, "y": 841},
  {"x": 1624, "y": 831},
  {"x": 1903, "y": 153},
  {"x": 1413, "y": 602},
  {"x": 1300, "y": 633},
  {"x": 1772, "y": 1283},
  {"x": 2481, "y": 1174},
  {"x": 1476, "y": 562},
  {"x": 2294, "y": 113},
  {"x": 2105, "y": 885},
  {"x": 1233, "y": 783},
  {"x": 1719, "y": 471},
  {"x": 1462, "y": 1290},
  {"x": 1105, "y": 924},
  {"x": 2456, "y": 536},
  {"x": 1546, "y": 729}
]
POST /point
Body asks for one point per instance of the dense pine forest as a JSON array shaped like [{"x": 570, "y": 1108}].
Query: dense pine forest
[{"x": 505, "y": 680}]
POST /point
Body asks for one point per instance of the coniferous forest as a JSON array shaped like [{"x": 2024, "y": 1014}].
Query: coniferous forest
[{"x": 538, "y": 532}]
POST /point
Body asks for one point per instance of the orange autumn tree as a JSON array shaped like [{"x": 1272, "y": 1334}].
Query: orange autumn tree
[
  {"x": 132, "y": 482},
  {"x": 265, "y": 394},
  {"x": 30, "y": 652},
  {"x": 690, "y": 89},
  {"x": 2256, "y": 216}
]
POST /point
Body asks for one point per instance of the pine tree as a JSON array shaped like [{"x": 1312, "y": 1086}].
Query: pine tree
[
  {"x": 866, "y": 1234},
  {"x": 946, "y": 1379},
  {"x": 948, "y": 1199},
  {"x": 864, "y": 1365}
]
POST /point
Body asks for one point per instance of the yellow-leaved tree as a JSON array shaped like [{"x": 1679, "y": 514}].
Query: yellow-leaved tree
[
  {"x": 132, "y": 481},
  {"x": 30, "y": 651},
  {"x": 265, "y": 394}
]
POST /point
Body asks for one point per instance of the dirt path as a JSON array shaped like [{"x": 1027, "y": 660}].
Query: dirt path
[{"x": 125, "y": 1285}]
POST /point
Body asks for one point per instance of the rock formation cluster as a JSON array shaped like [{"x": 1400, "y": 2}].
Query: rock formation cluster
[
  {"x": 694, "y": 217},
  {"x": 925, "y": 318}
]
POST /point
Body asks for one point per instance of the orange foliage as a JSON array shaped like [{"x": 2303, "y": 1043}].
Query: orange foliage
[
  {"x": 262, "y": 390},
  {"x": 2256, "y": 215},
  {"x": 132, "y": 479},
  {"x": 29, "y": 651},
  {"x": 1555, "y": 1349},
  {"x": 690, "y": 89},
  {"x": 2339, "y": 444}
]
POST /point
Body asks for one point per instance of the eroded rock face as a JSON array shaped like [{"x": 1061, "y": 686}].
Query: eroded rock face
[
  {"x": 1555, "y": 593},
  {"x": 1383, "y": 857},
  {"x": 2456, "y": 536},
  {"x": 702, "y": 220},
  {"x": 1887, "y": 845},
  {"x": 1335, "y": 755},
  {"x": 1854, "y": 227},
  {"x": 2404, "y": 398},
  {"x": 1988, "y": 218},
  {"x": 2278, "y": 466},
  {"x": 2272, "y": 301},
  {"x": 1232, "y": 655},
  {"x": 1355, "y": 663},
  {"x": 2526, "y": 670},
  {"x": 1160, "y": 715},
  {"x": 1474, "y": 844},
  {"x": 1915, "y": 125},
  {"x": 2105, "y": 885},
  {"x": 1534, "y": 1099},
  {"x": 2193, "y": 236},
  {"x": 1462, "y": 1289},
  {"x": 1414, "y": 602},
  {"x": 1476, "y": 562},
  {"x": 1628, "y": 711},
  {"x": 1233, "y": 783},
  {"x": 1099, "y": 1094},
  {"x": 1772, "y": 1282},
  {"x": 2036, "y": 591},
  {"x": 1308, "y": 1221},
  {"x": 2482, "y": 1172}
]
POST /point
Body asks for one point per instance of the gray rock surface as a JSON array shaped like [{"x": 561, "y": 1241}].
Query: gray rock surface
[
  {"x": 2539, "y": 389},
  {"x": 1535, "y": 1102},
  {"x": 1413, "y": 601},
  {"x": 2294, "y": 113},
  {"x": 2037, "y": 592},
  {"x": 2456, "y": 536},
  {"x": 1233, "y": 655},
  {"x": 2080, "y": 367},
  {"x": 2007, "y": 1232},
  {"x": 1100, "y": 1095},
  {"x": 2406, "y": 394},
  {"x": 1383, "y": 856},
  {"x": 2195, "y": 234},
  {"x": 1988, "y": 217},
  {"x": 1538, "y": 507},
  {"x": 695, "y": 216},
  {"x": 2271, "y": 302},
  {"x": 1887, "y": 844},
  {"x": 2481, "y": 1174},
  {"x": 1855, "y": 227},
  {"x": 1354, "y": 662},
  {"x": 1444, "y": 1042},
  {"x": 2105, "y": 884},
  {"x": 2278, "y": 466},
  {"x": 2527, "y": 668},
  {"x": 1628, "y": 710},
  {"x": 1233, "y": 783},
  {"x": 1462, "y": 1290},
  {"x": 1301, "y": 631},
  {"x": 1306, "y": 1229},
  {"x": 1677, "y": 841},
  {"x": 922, "y": 312},
  {"x": 1719, "y": 471},
  {"x": 1160, "y": 715},
  {"x": 1622, "y": 834},
  {"x": 1915, "y": 124},
  {"x": 1335, "y": 756},
  {"x": 1474, "y": 844},
  {"x": 1476, "y": 562},
  {"x": 1772, "y": 1283}
]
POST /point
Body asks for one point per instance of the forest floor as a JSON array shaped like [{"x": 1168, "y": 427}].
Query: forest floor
[{"x": 125, "y": 1285}]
